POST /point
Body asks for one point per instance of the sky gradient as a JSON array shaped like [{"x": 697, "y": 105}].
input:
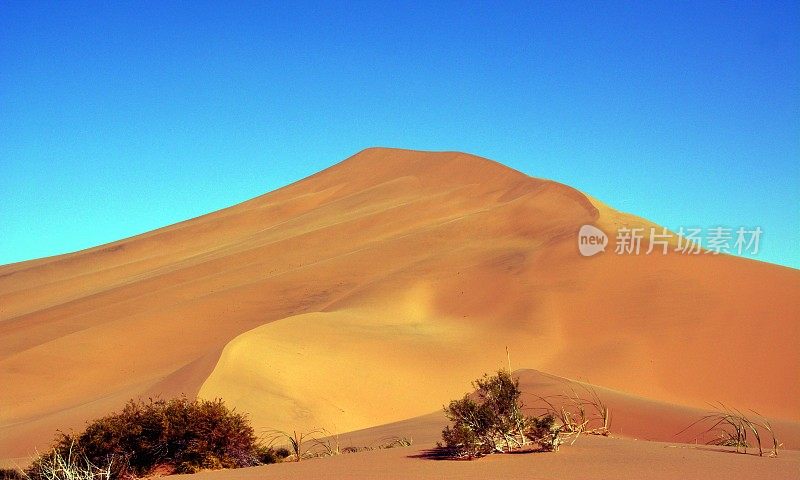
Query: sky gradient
[{"x": 121, "y": 117}]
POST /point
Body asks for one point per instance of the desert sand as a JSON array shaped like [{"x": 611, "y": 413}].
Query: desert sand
[
  {"x": 592, "y": 457},
  {"x": 374, "y": 291}
]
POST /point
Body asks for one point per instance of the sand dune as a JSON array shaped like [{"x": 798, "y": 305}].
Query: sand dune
[
  {"x": 373, "y": 292},
  {"x": 593, "y": 457},
  {"x": 623, "y": 455},
  {"x": 632, "y": 417}
]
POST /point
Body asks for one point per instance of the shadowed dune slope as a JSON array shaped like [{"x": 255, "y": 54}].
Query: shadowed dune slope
[{"x": 373, "y": 292}]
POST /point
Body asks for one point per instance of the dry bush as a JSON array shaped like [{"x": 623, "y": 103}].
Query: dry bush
[
  {"x": 493, "y": 422},
  {"x": 11, "y": 474},
  {"x": 352, "y": 449},
  {"x": 732, "y": 428},
  {"x": 328, "y": 446},
  {"x": 268, "y": 455},
  {"x": 395, "y": 442},
  {"x": 182, "y": 435},
  {"x": 297, "y": 442},
  {"x": 579, "y": 413},
  {"x": 67, "y": 465},
  {"x": 303, "y": 445}
]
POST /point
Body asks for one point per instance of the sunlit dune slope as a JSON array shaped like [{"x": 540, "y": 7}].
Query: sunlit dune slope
[
  {"x": 372, "y": 292},
  {"x": 621, "y": 456},
  {"x": 630, "y": 416}
]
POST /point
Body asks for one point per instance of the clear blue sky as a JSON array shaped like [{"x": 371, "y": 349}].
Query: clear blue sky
[{"x": 120, "y": 117}]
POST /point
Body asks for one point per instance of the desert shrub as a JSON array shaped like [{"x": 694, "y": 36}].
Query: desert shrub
[
  {"x": 493, "y": 421},
  {"x": 267, "y": 455},
  {"x": 11, "y": 474},
  {"x": 395, "y": 442},
  {"x": 357, "y": 449},
  {"x": 544, "y": 431},
  {"x": 296, "y": 442},
  {"x": 282, "y": 452},
  {"x": 578, "y": 413},
  {"x": 328, "y": 446},
  {"x": 67, "y": 465},
  {"x": 186, "y": 435},
  {"x": 731, "y": 428}
]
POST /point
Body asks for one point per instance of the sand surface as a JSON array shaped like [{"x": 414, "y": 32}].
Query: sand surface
[
  {"x": 373, "y": 292},
  {"x": 590, "y": 457}
]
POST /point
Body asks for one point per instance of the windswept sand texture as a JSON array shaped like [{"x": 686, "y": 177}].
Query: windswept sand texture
[{"x": 375, "y": 291}]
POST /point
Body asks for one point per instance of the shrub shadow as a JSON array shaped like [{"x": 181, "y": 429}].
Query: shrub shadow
[{"x": 438, "y": 453}]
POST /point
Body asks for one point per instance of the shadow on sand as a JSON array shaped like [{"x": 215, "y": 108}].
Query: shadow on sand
[{"x": 438, "y": 453}]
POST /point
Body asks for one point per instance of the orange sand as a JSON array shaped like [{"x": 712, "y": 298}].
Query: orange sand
[{"x": 590, "y": 457}]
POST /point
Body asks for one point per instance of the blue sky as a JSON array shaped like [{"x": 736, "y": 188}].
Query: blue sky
[{"x": 120, "y": 117}]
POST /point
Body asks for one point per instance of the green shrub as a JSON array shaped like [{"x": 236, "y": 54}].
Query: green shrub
[
  {"x": 185, "y": 435},
  {"x": 492, "y": 421}
]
